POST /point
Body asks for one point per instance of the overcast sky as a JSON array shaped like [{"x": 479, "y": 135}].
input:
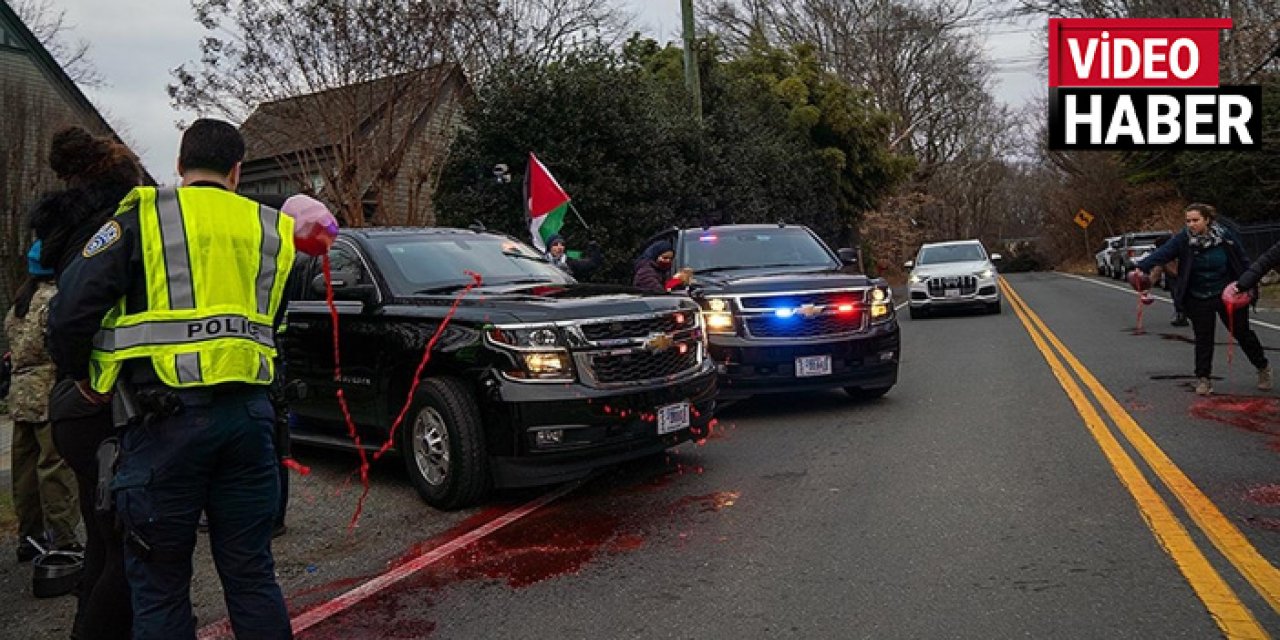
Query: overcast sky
[{"x": 135, "y": 43}]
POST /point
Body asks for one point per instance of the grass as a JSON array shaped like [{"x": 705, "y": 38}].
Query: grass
[
  {"x": 1270, "y": 298},
  {"x": 8, "y": 517}
]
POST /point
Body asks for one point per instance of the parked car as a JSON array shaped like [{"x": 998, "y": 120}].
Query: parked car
[
  {"x": 784, "y": 312},
  {"x": 951, "y": 275},
  {"x": 536, "y": 379},
  {"x": 1133, "y": 247},
  {"x": 1103, "y": 256}
]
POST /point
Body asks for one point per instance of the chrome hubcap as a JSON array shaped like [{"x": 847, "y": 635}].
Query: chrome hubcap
[{"x": 431, "y": 446}]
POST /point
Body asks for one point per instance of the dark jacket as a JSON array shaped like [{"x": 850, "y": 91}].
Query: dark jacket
[
  {"x": 1179, "y": 248},
  {"x": 646, "y": 274},
  {"x": 1265, "y": 262}
]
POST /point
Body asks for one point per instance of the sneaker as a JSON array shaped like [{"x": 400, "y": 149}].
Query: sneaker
[
  {"x": 1264, "y": 378},
  {"x": 1179, "y": 320},
  {"x": 1203, "y": 386}
]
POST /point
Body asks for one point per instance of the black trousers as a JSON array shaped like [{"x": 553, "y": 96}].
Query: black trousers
[
  {"x": 1204, "y": 316},
  {"x": 103, "y": 608}
]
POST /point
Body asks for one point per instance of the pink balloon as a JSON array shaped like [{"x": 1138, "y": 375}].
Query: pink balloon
[
  {"x": 1234, "y": 298},
  {"x": 314, "y": 225}
]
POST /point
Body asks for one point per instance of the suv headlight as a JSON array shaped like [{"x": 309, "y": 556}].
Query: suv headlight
[
  {"x": 881, "y": 303},
  {"x": 986, "y": 273},
  {"x": 540, "y": 353},
  {"x": 718, "y": 316},
  {"x": 915, "y": 278}
]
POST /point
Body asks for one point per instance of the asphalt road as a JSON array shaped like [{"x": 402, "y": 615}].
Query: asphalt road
[{"x": 991, "y": 494}]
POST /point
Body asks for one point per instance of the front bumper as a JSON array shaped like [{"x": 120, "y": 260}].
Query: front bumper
[
  {"x": 985, "y": 293},
  {"x": 600, "y": 427},
  {"x": 751, "y": 366}
]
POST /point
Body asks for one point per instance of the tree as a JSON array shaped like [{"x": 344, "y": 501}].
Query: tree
[
  {"x": 780, "y": 141},
  {"x": 368, "y": 72}
]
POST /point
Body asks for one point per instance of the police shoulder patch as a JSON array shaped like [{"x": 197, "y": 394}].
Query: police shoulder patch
[{"x": 104, "y": 238}]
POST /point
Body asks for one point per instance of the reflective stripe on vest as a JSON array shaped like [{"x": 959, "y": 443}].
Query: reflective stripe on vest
[{"x": 215, "y": 266}]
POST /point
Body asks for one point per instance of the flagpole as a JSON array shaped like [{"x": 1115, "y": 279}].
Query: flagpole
[{"x": 578, "y": 215}]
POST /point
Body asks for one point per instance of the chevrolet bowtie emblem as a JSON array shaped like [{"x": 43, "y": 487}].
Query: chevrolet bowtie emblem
[
  {"x": 810, "y": 310},
  {"x": 659, "y": 342}
]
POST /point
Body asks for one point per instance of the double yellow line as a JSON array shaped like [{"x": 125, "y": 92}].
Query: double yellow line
[{"x": 1231, "y": 615}]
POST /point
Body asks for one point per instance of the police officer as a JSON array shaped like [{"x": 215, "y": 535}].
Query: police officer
[{"x": 174, "y": 303}]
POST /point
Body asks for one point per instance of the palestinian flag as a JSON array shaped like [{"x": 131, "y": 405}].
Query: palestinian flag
[{"x": 545, "y": 201}]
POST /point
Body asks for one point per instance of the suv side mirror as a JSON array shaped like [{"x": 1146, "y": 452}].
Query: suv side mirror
[
  {"x": 995, "y": 257},
  {"x": 345, "y": 287},
  {"x": 847, "y": 255},
  {"x": 909, "y": 264}
]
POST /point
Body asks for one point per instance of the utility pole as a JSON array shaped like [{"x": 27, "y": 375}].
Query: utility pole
[{"x": 691, "y": 80}]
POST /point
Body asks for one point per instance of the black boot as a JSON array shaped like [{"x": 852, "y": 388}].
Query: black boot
[{"x": 1179, "y": 320}]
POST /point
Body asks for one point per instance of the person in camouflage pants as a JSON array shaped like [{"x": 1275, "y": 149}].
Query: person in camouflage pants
[{"x": 44, "y": 488}]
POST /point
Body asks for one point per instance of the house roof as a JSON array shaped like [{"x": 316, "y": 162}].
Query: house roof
[
  {"x": 314, "y": 121},
  {"x": 61, "y": 81}
]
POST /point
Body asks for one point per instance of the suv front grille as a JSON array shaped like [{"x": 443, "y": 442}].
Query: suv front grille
[
  {"x": 938, "y": 285},
  {"x": 637, "y": 366},
  {"x": 637, "y": 328},
  {"x": 821, "y": 299},
  {"x": 799, "y": 327}
]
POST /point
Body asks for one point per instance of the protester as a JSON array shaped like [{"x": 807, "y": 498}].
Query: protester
[
  {"x": 98, "y": 172},
  {"x": 1209, "y": 258},
  {"x": 653, "y": 269},
  {"x": 1260, "y": 267},
  {"x": 1170, "y": 272},
  {"x": 581, "y": 269},
  {"x": 44, "y": 486},
  {"x": 170, "y": 260}
]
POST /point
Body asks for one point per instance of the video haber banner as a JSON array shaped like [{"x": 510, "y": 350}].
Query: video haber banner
[{"x": 1129, "y": 84}]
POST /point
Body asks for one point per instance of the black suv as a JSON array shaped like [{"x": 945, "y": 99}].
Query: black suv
[
  {"x": 783, "y": 313},
  {"x": 536, "y": 378}
]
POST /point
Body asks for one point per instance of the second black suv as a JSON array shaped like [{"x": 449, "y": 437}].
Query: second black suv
[
  {"x": 782, "y": 313},
  {"x": 536, "y": 378}
]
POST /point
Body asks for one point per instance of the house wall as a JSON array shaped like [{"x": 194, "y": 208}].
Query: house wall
[
  {"x": 414, "y": 191},
  {"x": 33, "y": 106}
]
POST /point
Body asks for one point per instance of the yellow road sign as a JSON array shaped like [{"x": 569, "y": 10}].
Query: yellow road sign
[{"x": 1083, "y": 218}]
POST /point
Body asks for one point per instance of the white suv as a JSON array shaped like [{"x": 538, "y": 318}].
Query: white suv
[
  {"x": 953, "y": 275},
  {"x": 1103, "y": 257}
]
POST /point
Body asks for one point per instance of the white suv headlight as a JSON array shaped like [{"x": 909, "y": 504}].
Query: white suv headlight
[
  {"x": 915, "y": 278},
  {"x": 986, "y": 273}
]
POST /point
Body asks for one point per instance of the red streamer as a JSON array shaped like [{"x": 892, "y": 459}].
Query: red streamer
[
  {"x": 296, "y": 466},
  {"x": 476, "y": 280},
  {"x": 342, "y": 399},
  {"x": 1231, "y": 332}
]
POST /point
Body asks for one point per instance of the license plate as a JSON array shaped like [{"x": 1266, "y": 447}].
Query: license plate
[
  {"x": 810, "y": 366},
  {"x": 953, "y": 293},
  {"x": 673, "y": 417}
]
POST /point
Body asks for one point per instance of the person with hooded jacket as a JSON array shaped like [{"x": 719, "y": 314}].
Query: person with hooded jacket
[
  {"x": 652, "y": 270},
  {"x": 1209, "y": 257},
  {"x": 1252, "y": 276},
  {"x": 558, "y": 256},
  {"x": 98, "y": 172}
]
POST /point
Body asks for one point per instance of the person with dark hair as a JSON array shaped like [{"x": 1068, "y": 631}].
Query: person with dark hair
[
  {"x": 98, "y": 172},
  {"x": 44, "y": 487},
  {"x": 1170, "y": 272},
  {"x": 558, "y": 255},
  {"x": 652, "y": 271},
  {"x": 1209, "y": 258},
  {"x": 181, "y": 271}
]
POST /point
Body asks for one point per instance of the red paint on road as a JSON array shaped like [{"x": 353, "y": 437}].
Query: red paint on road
[
  {"x": 1267, "y": 494},
  {"x": 1260, "y": 415}
]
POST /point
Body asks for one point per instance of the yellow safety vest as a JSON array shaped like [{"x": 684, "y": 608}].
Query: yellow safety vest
[{"x": 215, "y": 265}]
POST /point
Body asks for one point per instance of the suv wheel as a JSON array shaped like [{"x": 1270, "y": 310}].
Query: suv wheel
[
  {"x": 858, "y": 393},
  {"x": 918, "y": 313},
  {"x": 443, "y": 445}
]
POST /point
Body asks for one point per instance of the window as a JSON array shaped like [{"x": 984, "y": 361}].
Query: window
[{"x": 345, "y": 258}]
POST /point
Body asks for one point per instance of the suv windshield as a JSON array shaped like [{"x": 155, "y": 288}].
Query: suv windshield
[
  {"x": 1145, "y": 238},
  {"x": 439, "y": 261},
  {"x": 726, "y": 249},
  {"x": 939, "y": 254}
]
